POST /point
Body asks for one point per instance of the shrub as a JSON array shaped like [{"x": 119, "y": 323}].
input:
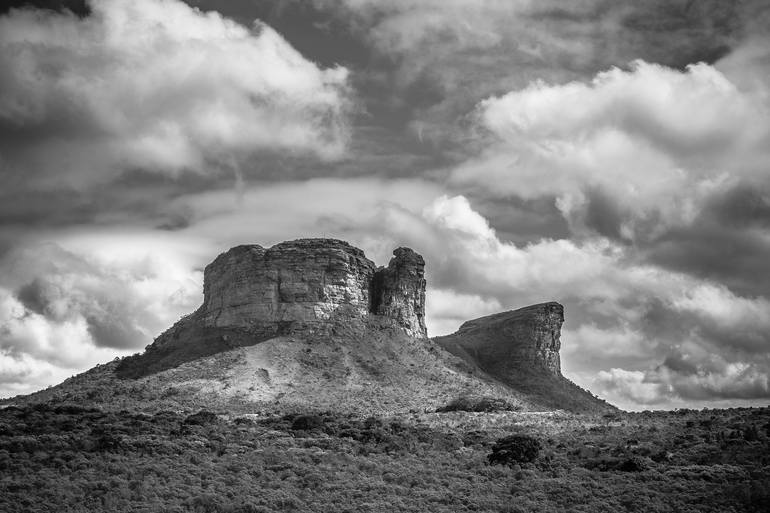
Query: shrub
[
  {"x": 608, "y": 464},
  {"x": 201, "y": 418},
  {"x": 307, "y": 423},
  {"x": 514, "y": 449},
  {"x": 477, "y": 404}
]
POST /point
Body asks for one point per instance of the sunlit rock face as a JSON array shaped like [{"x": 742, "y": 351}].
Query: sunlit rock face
[
  {"x": 306, "y": 283},
  {"x": 303, "y": 282}
]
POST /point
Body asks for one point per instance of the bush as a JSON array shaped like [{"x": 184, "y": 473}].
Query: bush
[
  {"x": 514, "y": 449},
  {"x": 609, "y": 464},
  {"x": 307, "y": 423},
  {"x": 201, "y": 418},
  {"x": 478, "y": 405}
]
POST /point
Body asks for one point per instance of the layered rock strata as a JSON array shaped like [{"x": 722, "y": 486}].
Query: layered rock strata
[
  {"x": 525, "y": 338},
  {"x": 305, "y": 287},
  {"x": 520, "y": 348},
  {"x": 398, "y": 292},
  {"x": 308, "y": 282},
  {"x": 301, "y": 282}
]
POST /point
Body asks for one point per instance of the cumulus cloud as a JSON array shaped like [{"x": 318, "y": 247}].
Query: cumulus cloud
[
  {"x": 447, "y": 54},
  {"x": 629, "y": 153},
  {"x": 630, "y": 386},
  {"x": 446, "y": 309},
  {"x": 62, "y": 312},
  {"x": 159, "y": 86},
  {"x": 691, "y": 383}
]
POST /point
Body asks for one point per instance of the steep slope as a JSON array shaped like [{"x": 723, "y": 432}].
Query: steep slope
[
  {"x": 520, "y": 348},
  {"x": 365, "y": 367}
]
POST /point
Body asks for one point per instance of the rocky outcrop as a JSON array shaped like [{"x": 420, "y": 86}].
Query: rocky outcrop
[
  {"x": 528, "y": 337},
  {"x": 306, "y": 288},
  {"x": 398, "y": 292},
  {"x": 354, "y": 321},
  {"x": 521, "y": 349},
  {"x": 307, "y": 283},
  {"x": 292, "y": 285}
]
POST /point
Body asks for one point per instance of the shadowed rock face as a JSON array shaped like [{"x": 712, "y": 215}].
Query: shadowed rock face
[
  {"x": 526, "y": 338},
  {"x": 521, "y": 349},
  {"x": 398, "y": 292},
  {"x": 305, "y": 287}
]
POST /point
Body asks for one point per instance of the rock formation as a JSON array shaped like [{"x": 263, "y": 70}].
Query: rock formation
[
  {"x": 291, "y": 286},
  {"x": 304, "y": 284},
  {"x": 305, "y": 287},
  {"x": 521, "y": 349},
  {"x": 314, "y": 324},
  {"x": 398, "y": 292},
  {"x": 525, "y": 338}
]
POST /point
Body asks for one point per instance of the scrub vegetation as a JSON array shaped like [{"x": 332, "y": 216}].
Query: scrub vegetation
[{"x": 74, "y": 458}]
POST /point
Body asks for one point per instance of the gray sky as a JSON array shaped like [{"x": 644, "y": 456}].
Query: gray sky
[{"x": 612, "y": 156}]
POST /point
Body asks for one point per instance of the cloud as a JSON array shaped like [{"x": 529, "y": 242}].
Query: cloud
[
  {"x": 446, "y": 309},
  {"x": 629, "y": 153},
  {"x": 439, "y": 57},
  {"x": 630, "y": 385},
  {"x": 62, "y": 312},
  {"x": 701, "y": 384},
  {"x": 623, "y": 316},
  {"x": 159, "y": 86}
]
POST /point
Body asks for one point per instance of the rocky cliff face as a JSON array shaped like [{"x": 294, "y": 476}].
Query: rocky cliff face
[
  {"x": 528, "y": 337},
  {"x": 398, "y": 292},
  {"x": 295, "y": 284},
  {"x": 305, "y": 287},
  {"x": 307, "y": 283},
  {"x": 313, "y": 323},
  {"x": 521, "y": 349}
]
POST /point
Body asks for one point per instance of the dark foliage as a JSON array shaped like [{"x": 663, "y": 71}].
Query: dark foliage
[
  {"x": 202, "y": 418},
  {"x": 307, "y": 423},
  {"x": 628, "y": 464},
  {"x": 478, "y": 404},
  {"x": 514, "y": 449},
  {"x": 73, "y": 458}
]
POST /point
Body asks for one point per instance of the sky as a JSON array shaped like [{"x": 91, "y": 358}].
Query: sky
[{"x": 610, "y": 155}]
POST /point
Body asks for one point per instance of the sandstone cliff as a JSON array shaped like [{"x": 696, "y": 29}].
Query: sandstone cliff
[
  {"x": 525, "y": 338},
  {"x": 293, "y": 285},
  {"x": 313, "y": 323},
  {"x": 521, "y": 349},
  {"x": 398, "y": 292},
  {"x": 305, "y": 287}
]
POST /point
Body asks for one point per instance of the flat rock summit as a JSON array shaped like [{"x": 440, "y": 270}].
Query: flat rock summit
[{"x": 313, "y": 323}]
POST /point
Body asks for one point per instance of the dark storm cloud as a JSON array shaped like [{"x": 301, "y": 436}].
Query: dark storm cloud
[
  {"x": 319, "y": 33},
  {"x": 742, "y": 207},
  {"x": 56, "y": 287},
  {"x": 522, "y": 220},
  {"x": 81, "y": 8},
  {"x": 727, "y": 242},
  {"x": 603, "y": 214}
]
